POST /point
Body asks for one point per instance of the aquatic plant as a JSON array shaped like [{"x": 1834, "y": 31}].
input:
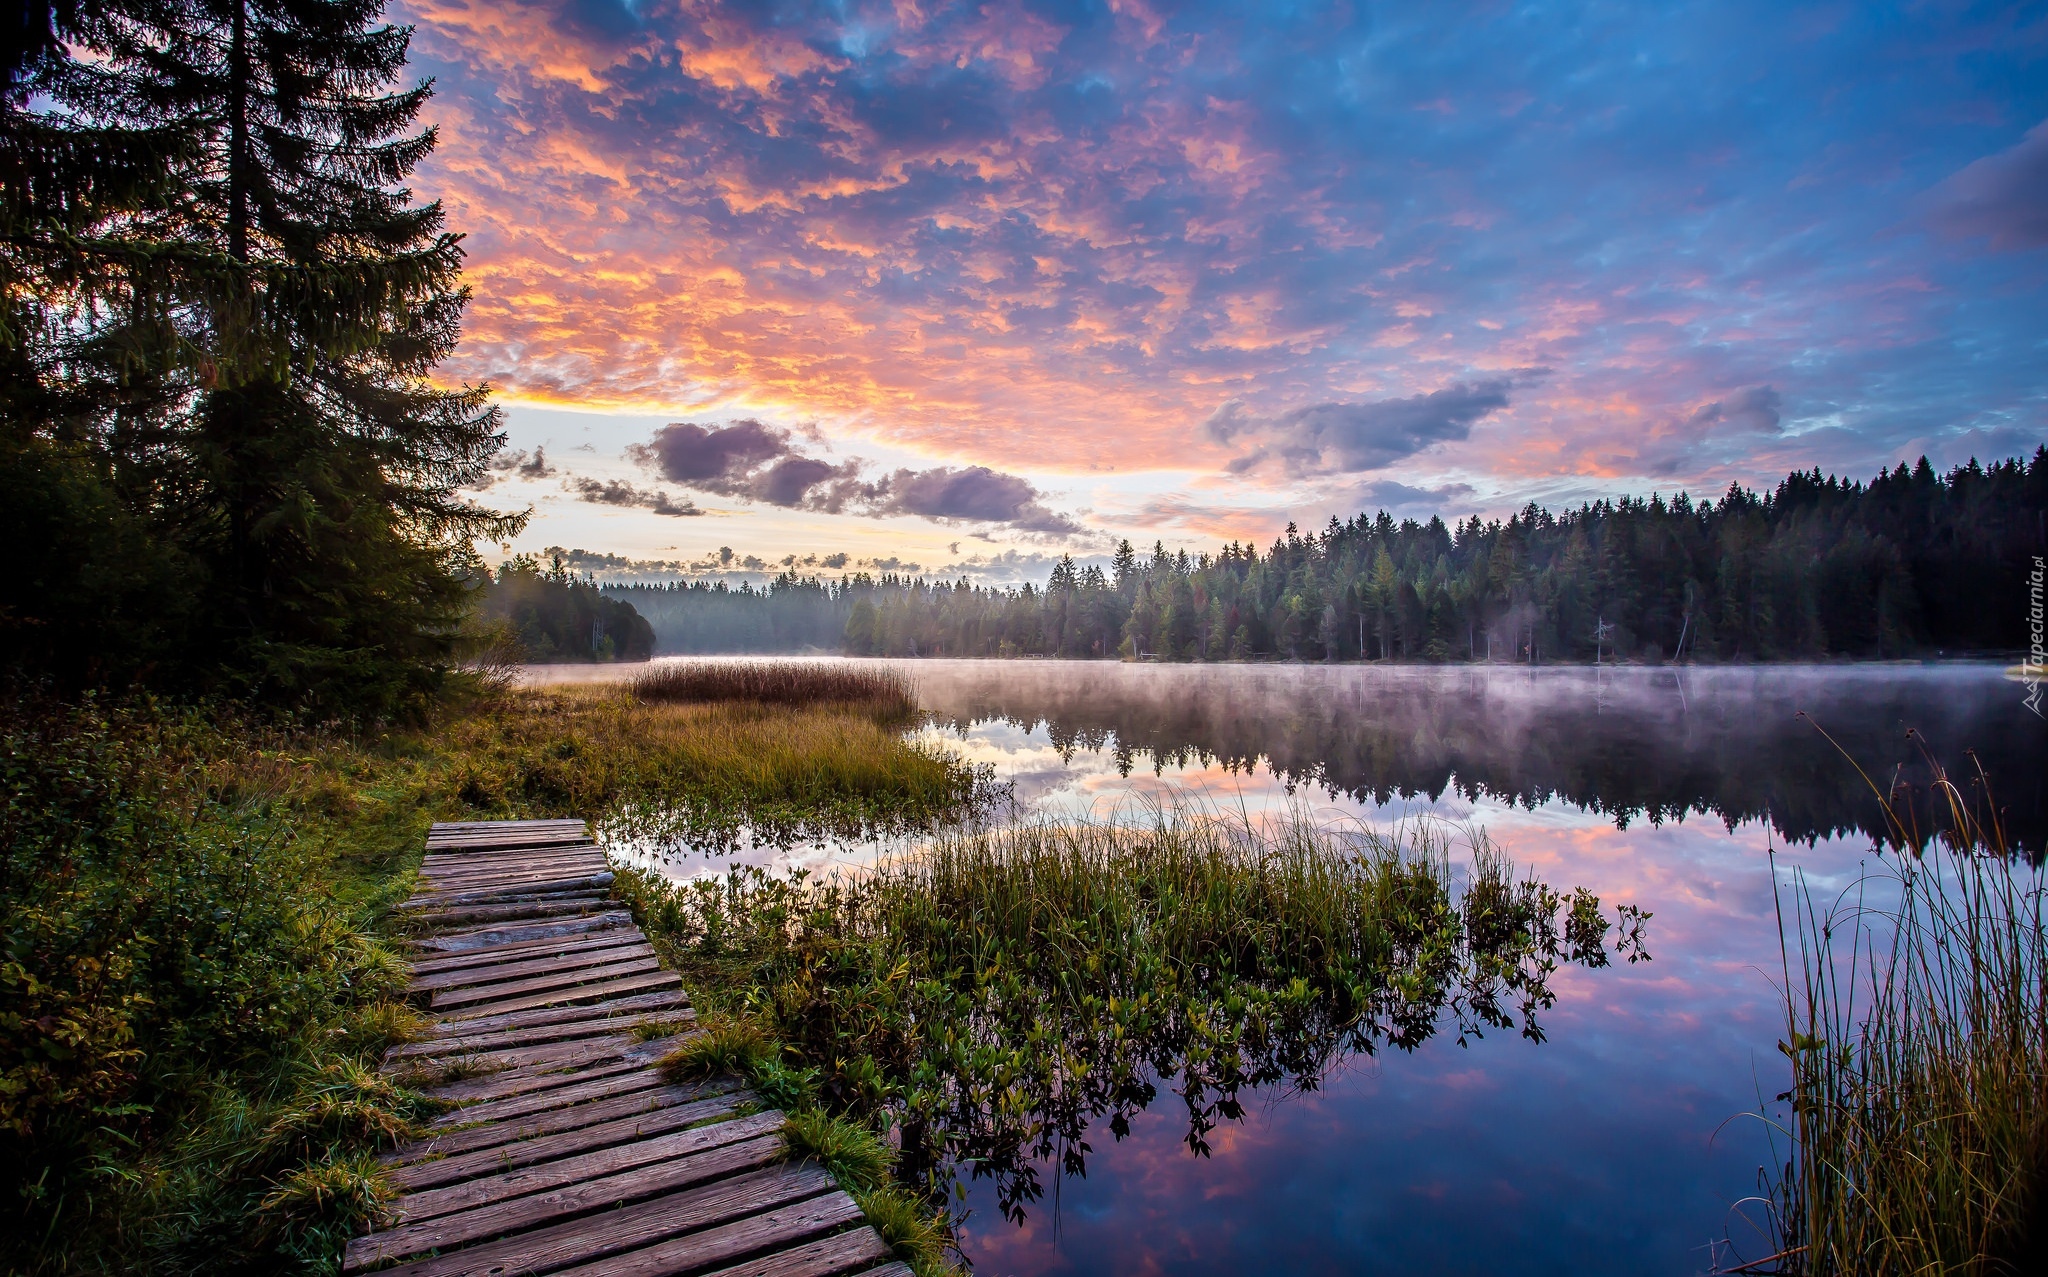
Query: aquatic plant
[
  {"x": 998, "y": 992},
  {"x": 876, "y": 689},
  {"x": 1917, "y": 1030}
]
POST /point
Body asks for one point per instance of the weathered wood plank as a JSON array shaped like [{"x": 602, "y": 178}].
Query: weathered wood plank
[
  {"x": 614, "y": 968},
  {"x": 853, "y": 1251},
  {"x": 579, "y": 994},
  {"x": 543, "y": 1210},
  {"x": 494, "y": 1044},
  {"x": 590, "y": 1084},
  {"x": 514, "y": 891},
  {"x": 533, "y": 1087},
  {"x": 449, "y": 943},
  {"x": 645, "y": 1007},
  {"x": 475, "y": 914},
  {"x": 591, "y": 1154},
  {"x": 482, "y": 976},
  {"x": 564, "y": 1115},
  {"x": 525, "y": 949},
  {"x": 438, "y": 871},
  {"x": 643, "y": 1224},
  {"x": 788, "y": 1226}
]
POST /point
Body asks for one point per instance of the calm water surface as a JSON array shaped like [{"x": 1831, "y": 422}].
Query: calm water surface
[{"x": 1620, "y": 1143}]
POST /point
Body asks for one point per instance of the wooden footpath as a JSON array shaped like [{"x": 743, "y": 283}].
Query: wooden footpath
[{"x": 569, "y": 1152}]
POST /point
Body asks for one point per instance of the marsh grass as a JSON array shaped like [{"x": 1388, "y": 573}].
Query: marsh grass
[
  {"x": 670, "y": 773},
  {"x": 1917, "y": 1019},
  {"x": 883, "y": 692},
  {"x": 999, "y": 991}
]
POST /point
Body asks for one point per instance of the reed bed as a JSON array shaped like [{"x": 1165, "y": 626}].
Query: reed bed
[
  {"x": 997, "y": 993},
  {"x": 1917, "y": 1014},
  {"x": 885, "y": 692},
  {"x": 672, "y": 772}
]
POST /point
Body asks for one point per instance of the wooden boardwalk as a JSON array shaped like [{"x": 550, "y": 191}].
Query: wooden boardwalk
[{"x": 569, "y": 1152}]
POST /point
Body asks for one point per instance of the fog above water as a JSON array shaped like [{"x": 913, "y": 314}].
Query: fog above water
[
  {"x": 1628, "y": 742},
  {"x": 1617, "y": 1144}
]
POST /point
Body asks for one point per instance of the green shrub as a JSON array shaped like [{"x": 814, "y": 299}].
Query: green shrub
[{"x": 857, "y": 1158}]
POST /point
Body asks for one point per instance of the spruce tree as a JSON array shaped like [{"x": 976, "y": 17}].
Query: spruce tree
[{"x": 307, "y": 463}]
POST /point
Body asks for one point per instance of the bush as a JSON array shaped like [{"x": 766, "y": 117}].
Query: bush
[{"x": 178, "y": 998}]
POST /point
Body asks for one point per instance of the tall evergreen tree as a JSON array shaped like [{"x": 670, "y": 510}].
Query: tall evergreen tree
[{"x": 304, "y": 459}]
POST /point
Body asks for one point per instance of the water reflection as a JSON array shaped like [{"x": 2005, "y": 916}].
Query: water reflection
[{"x": 1630, "y": 743}]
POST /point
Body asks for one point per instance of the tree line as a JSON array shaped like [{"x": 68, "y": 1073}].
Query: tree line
[
  {"x": 1913, "y": 562},
  {"x": 551, "y": 614}
]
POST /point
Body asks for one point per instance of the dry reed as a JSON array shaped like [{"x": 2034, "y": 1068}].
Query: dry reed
[
  {"x": 1918, "y": 1027},
  {"x": 799, "y": 683}
]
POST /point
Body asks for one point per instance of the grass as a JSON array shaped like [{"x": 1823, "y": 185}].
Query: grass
[
  {"x": 879, "y": 691},
  {"x": 1918, "y": 1040},
  {"x": 677, "y": 772},
  {"x": 194, "y": 983},
  {"x": 995, "y": 995}
]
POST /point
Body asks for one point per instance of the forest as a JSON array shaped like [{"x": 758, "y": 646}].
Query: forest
[
  {"x": 1911, "y": 563},
  {"x": 549, "y": 614}
]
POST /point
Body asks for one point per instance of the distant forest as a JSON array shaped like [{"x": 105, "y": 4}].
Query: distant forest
[
  {"x": 556, "y": 616},
  {"x": 1911, "y": 563}
]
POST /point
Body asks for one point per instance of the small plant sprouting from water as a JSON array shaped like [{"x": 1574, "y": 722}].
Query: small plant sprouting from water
[
  {"x": 1917, "y": 1029},
  {"x": 997, "y": 993}
]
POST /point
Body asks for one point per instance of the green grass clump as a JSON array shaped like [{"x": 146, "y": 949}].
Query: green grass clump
[
  {"x": 1917, "y": 1027},
  {"x": 996, "y": 993},
  {"x": 857, "y": 1158},
  {"x": 877, "y": 690},
  {"x": 727, "y": 1044},
  {"x": 918, "y": 1233}
]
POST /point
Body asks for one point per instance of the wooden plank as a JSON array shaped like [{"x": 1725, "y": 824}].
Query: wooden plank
[
  {"x": 501, "y": 973},
  {"x": 535, "y": 1036},
  {"x": 522, "y": 890},
  {"x": 543, "y": 1210},
  {"x": 456, "y": 844},
  {"x": 591, "y": 1084},
  {"x": 587, "y": 876},
  {"x": 593, "y": 1153},
  {"x": 525, "y": 949},
  {"x": 555, "y": 1054},
  {"x": 441, "y": 869},
  {"x": 787, "y": 1226},
  {"x": 508, "y": 1083},
  {"x": 848, "y": 1252},
  {"x": 474, "y": 914},
  {"x": 610, "y": 969},
  {"x": 449, "y": 943},
  {"x": 646, "y": 1006},
  {"x": 671, "y": 1215},
  {"x": 466, "y": 826},
  {"x": 561, "y": 1116},
  {"x": 646, "y": 982}
]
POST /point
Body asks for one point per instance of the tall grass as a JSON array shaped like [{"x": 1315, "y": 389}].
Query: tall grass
[
  {"x": 881, "y": 691},
  {"x": 671, "y": 772},
  {"x": 1917, "y": 1018},
  {"x": 998, "y": 993}
]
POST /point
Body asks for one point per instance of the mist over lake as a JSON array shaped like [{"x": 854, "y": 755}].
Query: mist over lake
[{"x": 1629, "y": 1135}]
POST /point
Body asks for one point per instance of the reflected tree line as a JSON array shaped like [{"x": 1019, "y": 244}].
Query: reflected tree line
[{"x": 1636, "y": 744}]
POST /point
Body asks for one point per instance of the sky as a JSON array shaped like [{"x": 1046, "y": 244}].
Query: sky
[{"x": 959, "y": 288}]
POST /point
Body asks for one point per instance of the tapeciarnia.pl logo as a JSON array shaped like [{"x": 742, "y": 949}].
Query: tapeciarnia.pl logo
[{"x": 2037, "y": 649}]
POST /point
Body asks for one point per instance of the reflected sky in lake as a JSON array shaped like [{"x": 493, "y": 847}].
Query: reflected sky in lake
[{"x": 1618, "y": 1144}]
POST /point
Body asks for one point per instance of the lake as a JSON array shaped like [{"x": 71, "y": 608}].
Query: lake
[{"x": 1629, "y": 1140}]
